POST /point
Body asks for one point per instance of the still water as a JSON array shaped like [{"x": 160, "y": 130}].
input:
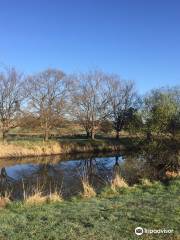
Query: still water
[{"x": 65, "y": 173}]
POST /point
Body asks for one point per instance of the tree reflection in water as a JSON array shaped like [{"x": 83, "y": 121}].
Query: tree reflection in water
[{"x": 153, "y": 162}]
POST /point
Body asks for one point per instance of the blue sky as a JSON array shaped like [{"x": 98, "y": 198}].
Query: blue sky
[{"x": 137, "y": 39}]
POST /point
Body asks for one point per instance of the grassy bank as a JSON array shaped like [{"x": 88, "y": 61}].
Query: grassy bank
[
  {"x": 108, "y": 216},
  {"x": 22, "y": 148}
]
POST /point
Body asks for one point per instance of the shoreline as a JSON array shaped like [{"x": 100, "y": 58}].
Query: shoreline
[
  {"x": 112, "y": 211},
  {"x": 52, "y": 148}
]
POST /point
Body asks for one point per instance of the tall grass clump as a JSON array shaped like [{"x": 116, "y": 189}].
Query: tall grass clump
[
  {"x": 118, "y": 182},
  {"x": 54, "y": 197},
  {"x": 4, "y": 201},
  {"x": 38, "y": 197},
  {"x": 88, "y": 190}
]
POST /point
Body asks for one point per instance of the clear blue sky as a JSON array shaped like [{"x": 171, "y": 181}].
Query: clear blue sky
[{"x": 138, "y": 39}]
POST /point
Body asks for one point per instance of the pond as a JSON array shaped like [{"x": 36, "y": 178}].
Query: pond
[{"x": 65, "y": 173}]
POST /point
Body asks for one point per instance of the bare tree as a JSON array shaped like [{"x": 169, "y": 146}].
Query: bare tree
[
  {"x": 89, "y": 100},
  {"x": 10, "y": 99},
  {"x": 47, "y": 96},
  {"x": 121, "y": 98}
]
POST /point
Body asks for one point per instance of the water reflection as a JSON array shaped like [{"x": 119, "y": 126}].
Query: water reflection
[{"x": 50, "y": 174}]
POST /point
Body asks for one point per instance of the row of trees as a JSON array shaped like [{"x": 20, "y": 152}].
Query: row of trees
[{"x": 46, "y": 99}]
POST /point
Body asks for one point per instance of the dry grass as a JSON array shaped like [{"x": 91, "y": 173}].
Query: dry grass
[
  {"x": 36, "y": 198},
  {"x": 172, "y": 174},
  {"x": 15, "y": 150},
  {"x": 40, "y": 148},
  {"x": 146, "y": 182},
  {"x": 118, "y": 182},
  {"x": 88, "y": 190},
  {"x": 55, "y": 197},
  {"x": 4, "y": 201}
]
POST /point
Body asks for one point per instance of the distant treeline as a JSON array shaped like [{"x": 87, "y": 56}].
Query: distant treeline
[{"x": 95, "y": 100}]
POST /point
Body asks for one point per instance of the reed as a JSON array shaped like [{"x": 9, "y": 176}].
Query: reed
[
  {"x": 36, "y": 198},
  {"x": 54, "y": 197},
  {"x": 88, "y": 190},
  {"x": 40, "y": 148},
  {"x": 118, "y": 182},
  {"x": 27, "y": 149},
  {"x": 39, "y": 198},
  {"x": 37, "y": 195}
]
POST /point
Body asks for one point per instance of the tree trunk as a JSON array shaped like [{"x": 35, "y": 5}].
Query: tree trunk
[
  {"x": 117, "y": 134},
  {"x": 149, "y": 136},
  {"x": 93, "y": 134},
  {"x": 92, "y": 129},
  {"x": 88, "y": 134},
  {"x": 4, "y": 136},
  {"x": 46, "y": 135}
]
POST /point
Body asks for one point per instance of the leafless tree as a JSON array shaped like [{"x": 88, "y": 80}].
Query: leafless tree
[
  {"x": 47, "y": 97},
  {"x": 121, "y": 98},
  {"x": 10, "y": 99},
  {"x": 89, "y": 100}
]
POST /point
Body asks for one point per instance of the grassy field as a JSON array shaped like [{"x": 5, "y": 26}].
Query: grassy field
[{"x": 108, "y": 216}]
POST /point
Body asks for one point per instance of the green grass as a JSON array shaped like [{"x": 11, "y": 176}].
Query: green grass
[{"x": 109, "y": 216}]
